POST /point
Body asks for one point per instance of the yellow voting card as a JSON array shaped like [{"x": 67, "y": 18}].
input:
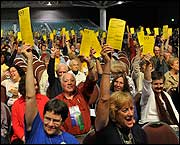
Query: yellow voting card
[
  {"x": 25, "y": 26},
  {"x": 148, "y": 44},
  {"x": 115, "y": 33}
]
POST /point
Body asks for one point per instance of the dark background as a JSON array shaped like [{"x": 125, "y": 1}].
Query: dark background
[{"x": 135, "y": 13}]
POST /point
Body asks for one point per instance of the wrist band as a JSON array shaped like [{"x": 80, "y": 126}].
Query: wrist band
[{"x": 106, "y": 73}]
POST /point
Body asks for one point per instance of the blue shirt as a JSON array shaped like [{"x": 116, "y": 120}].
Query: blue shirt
[{"x": 37, "y": 135}]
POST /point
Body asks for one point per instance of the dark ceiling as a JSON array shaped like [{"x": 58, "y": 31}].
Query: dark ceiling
[{"x": 35, "y": 4}]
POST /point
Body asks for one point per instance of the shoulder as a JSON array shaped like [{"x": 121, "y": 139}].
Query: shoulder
[
  {"x": 60, "y": 96},
  {"x": 41, "y": 96},
  {"x": 167, "y": 73},
  {"x": 81, "y": 73},
  {"x": 139, "y": 134},
  {"x": 69, "y": 138},
  {"x": 19, "y": 104}
]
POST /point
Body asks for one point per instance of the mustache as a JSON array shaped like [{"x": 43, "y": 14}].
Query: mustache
[{"x": 159, "y": 88}]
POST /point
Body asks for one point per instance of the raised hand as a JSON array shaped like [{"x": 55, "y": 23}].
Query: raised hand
[
  {"x": 27, "y": 51},
  {"x": 106, "y": 50}
]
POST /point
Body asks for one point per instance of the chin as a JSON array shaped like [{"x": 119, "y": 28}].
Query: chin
[
  {"x": 50, "y": 132},
  {"x": 130, "y": 126}
]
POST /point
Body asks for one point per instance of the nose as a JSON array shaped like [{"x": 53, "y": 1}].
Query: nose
[
  {"x": 118, "y": 84},
  {"x": 131, "y": 112},
  {"x": 62, "y": 73},
  {"x": 69, "y": 82},
  {"x": 158, "y": 85},
  {"x": 50, "y": 123}
]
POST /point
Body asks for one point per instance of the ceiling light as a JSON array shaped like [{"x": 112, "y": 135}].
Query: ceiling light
[
  {"x": 119, "y": 2},
  {"x": 49, "y": 4}
]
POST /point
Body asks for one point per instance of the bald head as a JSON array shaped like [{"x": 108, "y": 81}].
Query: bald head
[{"x": 68, "y": 82}]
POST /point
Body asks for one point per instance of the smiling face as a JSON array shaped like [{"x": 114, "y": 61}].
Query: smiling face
[
  {"x": 156, "y": 51},
  {"x": 122, "y": 109},
  {"x": 14, "y": 74},
  {"x": 119, "y": 84},
  {"x": 175, "y": 64},
  {"x": 74, "y": 65},
  {"x": 68, "y": 83},
  {"x": 157, "y": 86},
  {"x": 52, "y": 123},
  {"x": 125, "y": 115}
]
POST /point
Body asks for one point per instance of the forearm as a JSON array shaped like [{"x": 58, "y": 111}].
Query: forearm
[
  {"x": 92, "y": 75},
  {"x": 102, "y": 110},
  {"x": 30, "y": 89},
  {"x": 102, "y": 114},
  {"x": 105, "y": 82},
  {"x": 31, "y": 105},
  {"x": 147, "y": 72},
  {"x": 98, "y": 67}
]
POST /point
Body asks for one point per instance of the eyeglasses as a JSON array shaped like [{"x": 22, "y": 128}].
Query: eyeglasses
[
  {"x": 56, "y": 122},
  {"x": 62, "y": 72}
]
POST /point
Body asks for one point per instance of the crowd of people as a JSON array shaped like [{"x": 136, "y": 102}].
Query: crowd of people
[{"x": 54, "y": 95}]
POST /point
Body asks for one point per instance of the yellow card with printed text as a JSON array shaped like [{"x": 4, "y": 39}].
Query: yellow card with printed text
[
  {"x": 140, "y": 36},
  {"x": 86, "y": 43},
  {"x": 104, "y": 35},
  {"x": 63, "y": 31},
  {"x": 148, "y": 45},
  {"x": 72, "y": 32},
  {"x": 25, "y": 26},
  {"x": 169, "y": 31},
  {"x": 67, "y": 35},
  {"x": 132, "y": 30},
  {"x": 141, "y": 28},
  {"x": 95, "y": 44},
  {"x": 97, "y": 33},
  {"x": 52, "y": 36},
  {"x": 19, "y": 36},
  {"x": 44, "y": 37},
  {"x": 165, "y": 31},
  {"x": 127, "y": 28},
  {"x": 54, "y": 32},
  {"x": 156, "y": 31},
  {"x": 148, "y": 31},
  {"x": 115, "y": 33}
]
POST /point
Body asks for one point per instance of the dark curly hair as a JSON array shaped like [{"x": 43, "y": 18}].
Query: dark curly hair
[
  {"x": 20, "y": 71},
  {"x": 22, "y": 89},
  {"x": 126, "y": 87}
]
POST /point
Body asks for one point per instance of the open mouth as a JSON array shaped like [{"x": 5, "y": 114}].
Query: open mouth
[{"x": 130, "y": 120}]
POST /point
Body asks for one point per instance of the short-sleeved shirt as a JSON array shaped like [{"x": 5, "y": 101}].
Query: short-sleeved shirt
[{"x": 37, "y": 135}]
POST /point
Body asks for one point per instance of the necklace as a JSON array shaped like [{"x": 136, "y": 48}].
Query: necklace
[
  {"x": 62, "y": 138},
  {"x": 130, "y": 137}
]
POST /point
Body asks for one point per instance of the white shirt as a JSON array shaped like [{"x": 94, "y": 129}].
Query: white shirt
[
  {"x": 148, "y": 104},
  {"x": 43, "y": 83},
  {"x": 80, "y": 77},
  {"x": 9, "y": 84}
]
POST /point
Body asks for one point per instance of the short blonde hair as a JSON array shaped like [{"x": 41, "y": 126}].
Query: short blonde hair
[
  {"x": 171, "y": 60},
  {"x": 117, "y": 101}
]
